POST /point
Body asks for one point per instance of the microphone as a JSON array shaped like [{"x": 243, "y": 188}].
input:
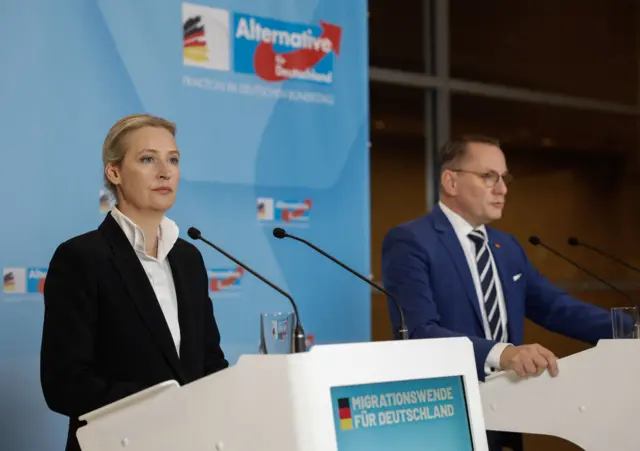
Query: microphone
[
  {"x": 402, "y": 331},
  {"x": 299, "y": 344},
  {"x": 537, "y": 242},
  {"x": 573, "y": 241}
]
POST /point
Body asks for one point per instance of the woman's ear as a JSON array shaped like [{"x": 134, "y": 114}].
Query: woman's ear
[{"x": 112, "y": 171}]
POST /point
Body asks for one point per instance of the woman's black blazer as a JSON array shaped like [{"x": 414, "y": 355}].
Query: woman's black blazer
[{"x": 104, "y": 334}]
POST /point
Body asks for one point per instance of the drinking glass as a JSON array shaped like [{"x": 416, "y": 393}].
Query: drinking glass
[
  {"x": 624, "y": 321},
  {"x": 276, "y": 332}
]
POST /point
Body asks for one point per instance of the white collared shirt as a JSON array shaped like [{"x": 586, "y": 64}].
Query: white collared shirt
[
  {"x": 462, "y": 229},
  {"x": 157, "y": 268}
]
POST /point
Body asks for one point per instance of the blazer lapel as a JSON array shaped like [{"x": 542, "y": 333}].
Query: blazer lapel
[
  {"x": 450, "y": 241},
  {"x": 135, "y": 279},
  {"x": 185, "y": 309}
]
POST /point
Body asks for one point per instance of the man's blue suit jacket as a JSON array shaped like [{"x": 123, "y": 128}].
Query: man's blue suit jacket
[{"x": 424, "y": 267}]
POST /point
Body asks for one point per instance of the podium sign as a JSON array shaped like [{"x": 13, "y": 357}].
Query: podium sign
[{"x": 408, "y": 415}]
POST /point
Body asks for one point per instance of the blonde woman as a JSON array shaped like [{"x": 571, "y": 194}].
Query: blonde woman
[{"x": 127, "y": 305}]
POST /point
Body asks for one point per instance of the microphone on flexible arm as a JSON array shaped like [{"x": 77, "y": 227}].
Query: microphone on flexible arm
[
  {"x": 299, "y": 335},
  {"x": 403, "y": 331},
  {"x": 573, "y": 241},
  {"x": 537, "y": 242}
]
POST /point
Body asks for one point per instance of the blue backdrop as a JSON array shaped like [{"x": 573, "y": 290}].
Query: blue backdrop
[{"x": 270, "y": 100}]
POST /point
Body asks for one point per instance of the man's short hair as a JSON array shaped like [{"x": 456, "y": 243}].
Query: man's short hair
[{"x": 455, "y": 150}]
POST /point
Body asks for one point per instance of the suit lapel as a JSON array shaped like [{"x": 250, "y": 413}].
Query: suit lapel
[
  {"x": 450, "y": 241},
  {"x": 135, "y": 279},
  {"x": 185, "y": 309},
  {"x": 503, "y": 275}
]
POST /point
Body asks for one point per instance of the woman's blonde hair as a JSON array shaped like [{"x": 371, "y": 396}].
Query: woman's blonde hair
[{"x": 114, "y": 148}]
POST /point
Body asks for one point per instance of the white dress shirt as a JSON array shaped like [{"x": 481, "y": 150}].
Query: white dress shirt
[
  {"x": 158, "y": 269},
  {"x": 462, "y": 229}
]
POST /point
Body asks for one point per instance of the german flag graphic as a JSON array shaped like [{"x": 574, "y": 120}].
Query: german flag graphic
[
  {"x": 9, "y": 282},
  {"x": 344, "y": 408},
  {"x": 194, "y": 41}
]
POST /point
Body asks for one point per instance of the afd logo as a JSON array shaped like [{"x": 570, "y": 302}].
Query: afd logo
[
  {"x": 23, "y": 280},
  {"x": 270, "y": 49},
  {"x": 289, "y": 211},
  {"x": 225, "y": 280}
]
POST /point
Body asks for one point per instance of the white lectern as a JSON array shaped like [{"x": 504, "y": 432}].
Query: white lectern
[
  {"x": 410, "y": 395},
  {"x": 593, "y": 402}
]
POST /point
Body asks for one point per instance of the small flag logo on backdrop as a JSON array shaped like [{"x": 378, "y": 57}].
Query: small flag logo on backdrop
[
  {"x": 265, "y": 209},
  {"x": 9, "y": 281},
  {"x": 346, "y": 422},
  {"x": 205, "y": 37},
  {"x": 14, "y": 280},
  {"x": 194, "y": 40}
]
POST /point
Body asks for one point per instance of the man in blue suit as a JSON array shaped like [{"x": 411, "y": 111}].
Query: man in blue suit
[{"x": 454, "y": 276}]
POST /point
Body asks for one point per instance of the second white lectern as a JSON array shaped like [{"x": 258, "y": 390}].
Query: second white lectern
[
  {"x": 409, "y": 395},
  {"x": 593, "y": 402}
]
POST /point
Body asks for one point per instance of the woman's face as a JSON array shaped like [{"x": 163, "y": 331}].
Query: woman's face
[{"x": 147, "y": 178}]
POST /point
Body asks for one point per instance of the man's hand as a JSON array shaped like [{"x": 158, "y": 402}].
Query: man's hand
[{"x": 529, "y": 360}]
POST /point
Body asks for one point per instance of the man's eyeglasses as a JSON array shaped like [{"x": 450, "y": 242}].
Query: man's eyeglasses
[{"x": 490, "y": 178}]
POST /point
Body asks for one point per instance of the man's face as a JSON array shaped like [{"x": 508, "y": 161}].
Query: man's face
[{"x": 476, "y": 185}]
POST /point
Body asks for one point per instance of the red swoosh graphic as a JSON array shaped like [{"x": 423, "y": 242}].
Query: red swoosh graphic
[
  {"x": 290, "y": 215},
  {"x": 217, "y": 285},
  {"x": 264, "y": 59}
]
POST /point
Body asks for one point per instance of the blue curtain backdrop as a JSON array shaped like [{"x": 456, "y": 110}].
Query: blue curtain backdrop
[{"x": 270, "y": 100}]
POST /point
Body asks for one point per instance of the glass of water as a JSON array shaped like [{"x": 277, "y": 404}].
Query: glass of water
[
  {"x": 624, "y": 321},
  {"x": 276, "y": 332}
]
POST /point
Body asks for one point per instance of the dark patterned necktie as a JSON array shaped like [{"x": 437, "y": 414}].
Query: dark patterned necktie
[{"x": 488, "y": 282}]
